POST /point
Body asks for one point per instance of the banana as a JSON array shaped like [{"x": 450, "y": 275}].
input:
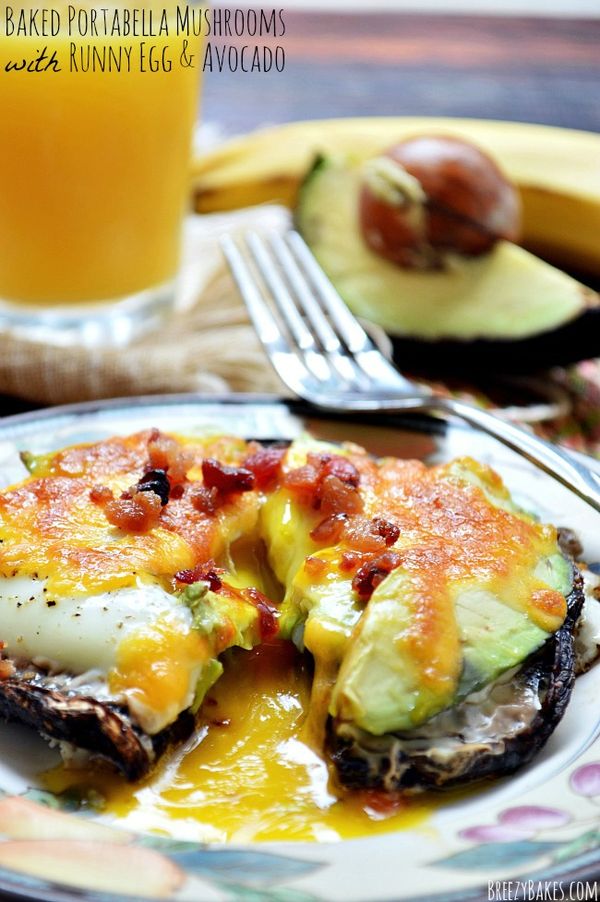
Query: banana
[{"x": 557, "y": 172}]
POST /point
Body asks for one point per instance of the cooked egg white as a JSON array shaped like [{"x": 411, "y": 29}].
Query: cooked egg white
[{"x": 137, "y": 642}]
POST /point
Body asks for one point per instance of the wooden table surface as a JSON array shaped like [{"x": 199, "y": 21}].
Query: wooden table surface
[
  {"x": 531, "y": 70},
  {"x": 527, "y": 69}
]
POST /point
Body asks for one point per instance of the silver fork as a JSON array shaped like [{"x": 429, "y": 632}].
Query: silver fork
[{"x": 322, "y": 353}]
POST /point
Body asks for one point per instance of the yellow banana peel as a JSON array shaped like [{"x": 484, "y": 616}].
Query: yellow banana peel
[{"x": 556, "y": 170}]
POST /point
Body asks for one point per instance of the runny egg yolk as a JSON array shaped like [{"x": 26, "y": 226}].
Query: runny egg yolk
[
  {"x": 157, "y": 666},
  {"x": 251, "y": 773}
]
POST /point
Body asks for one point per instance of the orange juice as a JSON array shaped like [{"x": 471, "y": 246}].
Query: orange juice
[{"x": 96, "y": 139}]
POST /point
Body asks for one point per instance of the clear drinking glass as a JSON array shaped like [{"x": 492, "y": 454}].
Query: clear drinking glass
[{"x": 95, "y": 151}]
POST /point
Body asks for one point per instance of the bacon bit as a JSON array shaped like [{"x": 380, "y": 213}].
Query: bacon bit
[
  {"x": 101, "y": 495},
  {"x": 267, "y": 613},
  {"x": 342, "y": 468},
  {"x": 350, "y": 561},
  {"x": 265, "y": 463},
  {"x": 330, "y": 530},
  {"x": 362, "y": 536},
  {"x": 337, "y": 496},
  {"x": 314, "y": 566},
  {"x": 203, "y": 500},
  {"x": 380, "y": 805},
  {"x": 155, "y": 481},
  {"x": 303, "y": 482},
  {"x": 177, "y": 492},
  {"x": 167, "y": 454},
  {"x": 371, "y": 574},
  {"x": 227, "y": 480},
  {"x": 389, "y": 531},
  {"x": 208, "y": 572},
  {"x": 138, "y": 514},
  {"x": 328, "y": 482}
]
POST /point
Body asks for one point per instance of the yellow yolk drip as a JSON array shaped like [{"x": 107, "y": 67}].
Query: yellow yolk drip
[
  {"x": 251, "y": 774},
  {"x": 154, "y": 665}
]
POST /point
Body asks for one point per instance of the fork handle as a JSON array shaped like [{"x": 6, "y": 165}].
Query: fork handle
[{"x": 554, "y": 461}]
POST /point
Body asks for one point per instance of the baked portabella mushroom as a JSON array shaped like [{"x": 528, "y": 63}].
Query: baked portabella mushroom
[
  {"x": 447, "y": 655},
  {"x": 492, "y": 732},
  {"x": 440, "y": 616}
]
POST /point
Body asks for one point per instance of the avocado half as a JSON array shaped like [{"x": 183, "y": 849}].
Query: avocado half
[
  {"x": 507, "y": 310},
  {"x": 481, "y": 737}
]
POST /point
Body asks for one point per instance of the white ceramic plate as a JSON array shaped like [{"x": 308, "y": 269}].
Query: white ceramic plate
[{"x": 541, "y": 824}]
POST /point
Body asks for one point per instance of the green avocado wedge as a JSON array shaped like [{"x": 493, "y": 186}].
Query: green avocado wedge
[
  {"x": 327, "y": 604},
  {"x": 366, "y": 649},
  {"x": 507, "y": 307},
  {"x": 380, "y": 690}
]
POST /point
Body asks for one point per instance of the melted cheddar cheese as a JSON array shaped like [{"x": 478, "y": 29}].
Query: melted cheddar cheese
[
  {"x": 452, "y": 530},
  {"x": 51, "y": 529}
]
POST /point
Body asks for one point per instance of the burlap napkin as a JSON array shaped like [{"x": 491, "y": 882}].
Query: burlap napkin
[{"x": 206, "y": 344}]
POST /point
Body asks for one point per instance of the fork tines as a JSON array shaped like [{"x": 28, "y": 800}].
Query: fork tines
[{"x": 313, "y": 340}]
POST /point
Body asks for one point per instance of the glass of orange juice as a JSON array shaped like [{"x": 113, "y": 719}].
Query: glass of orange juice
[{"x": 98, "y": 106}]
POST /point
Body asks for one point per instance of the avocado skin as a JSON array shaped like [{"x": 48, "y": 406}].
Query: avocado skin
[
  {"x": 572, "y": 342},
  {"x": 103, "y": 729},
  {"x": 362, "y": 764}
]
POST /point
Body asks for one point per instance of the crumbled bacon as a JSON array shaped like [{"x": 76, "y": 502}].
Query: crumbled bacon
[
  {"x": 227, "y": 480},
  {"x": 155, "y": 481},
  {"x": 207, "y": 572},
  {"x": 203, "y": 499},
  {"x": 340, "y": 467},
  {"x": 101, "y": 495},
  {"x": 387, "y": 530},
  {"x": 165, "y": 453},
  {"x": 337, "y": 496},
  {"x": 265, "y": 463},
  {"x": 303, "y": 482},
  {"x": 138, "y": 514},
  {"x": 327, "y": 482},
  {"x": 330, "y": 530},
  {"x": 362, "y": 536},
  {"x": 371, "y": 574},
  {"x": 350, "y": 561},
  {"x": 371, "y": 535},
  {"x": 267, "y": 613},
  {"x": 382, "y": 804}
]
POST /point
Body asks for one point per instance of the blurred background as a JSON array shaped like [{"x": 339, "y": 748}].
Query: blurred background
[{"x": 525, "y": 60}]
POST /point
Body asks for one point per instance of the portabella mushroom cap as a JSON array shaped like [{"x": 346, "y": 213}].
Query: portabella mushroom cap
[
  {"x": 102, "y": 728},
  {"x": 491, "y": 733}
]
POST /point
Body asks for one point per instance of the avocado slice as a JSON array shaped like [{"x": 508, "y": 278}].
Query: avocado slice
[
  {"x": 387, "y": 685},
  {"x": 478, "y": 309},
  {"x": 492, "y": 733},
  {"x": 219, "y": 615},
  {"x": 364, "y": 656},
  {"x": 318, "y": 614},
  {"x": 383, "y": 687}
]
